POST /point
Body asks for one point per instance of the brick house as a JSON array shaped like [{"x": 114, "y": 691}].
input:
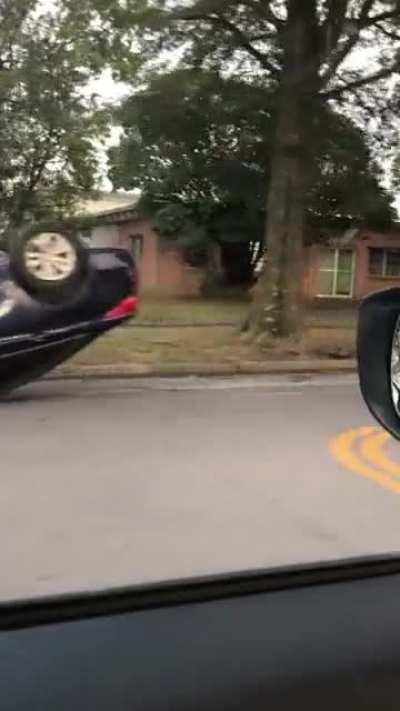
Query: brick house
[
  {"x": 116, "y": 223},
  {"x": 344, "y": 269},
  {"x": 350, "y": 267}
]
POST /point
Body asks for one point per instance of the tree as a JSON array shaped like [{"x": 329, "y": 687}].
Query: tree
[
  {"x": 302, "y": 48},
  {"x": 199, "y": 148},
  {"x": 47, "y": 126},
  {"x": 197, "y": 156}
]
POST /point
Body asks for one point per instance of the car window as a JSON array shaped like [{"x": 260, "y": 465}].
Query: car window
[{"x": 195, "y": 197}]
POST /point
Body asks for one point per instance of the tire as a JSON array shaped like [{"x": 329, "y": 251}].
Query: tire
[{"x": 49, "y": 261}]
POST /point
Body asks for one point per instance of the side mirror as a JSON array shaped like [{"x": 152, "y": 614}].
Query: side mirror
[{"x": 378, "y": 351}]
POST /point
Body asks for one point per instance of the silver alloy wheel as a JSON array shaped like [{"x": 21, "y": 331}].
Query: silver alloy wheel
[{"x": 50, "y": 256}]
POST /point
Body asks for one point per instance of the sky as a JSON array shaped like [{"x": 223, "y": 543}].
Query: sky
[{"x": 109, "y": 91}]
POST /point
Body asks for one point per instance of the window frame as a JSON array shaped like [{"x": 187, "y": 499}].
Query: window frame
[
  {"x": 335, "y": 270},
  {"x": 383, "y": 274}
]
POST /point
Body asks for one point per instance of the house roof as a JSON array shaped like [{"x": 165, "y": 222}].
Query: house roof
[
  {"x": 345, "y": 239},
  {"x": 348, "y": 237},
  {"x": 110, "y": 207}
]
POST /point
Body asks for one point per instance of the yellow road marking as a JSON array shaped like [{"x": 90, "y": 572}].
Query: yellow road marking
[
  {"x": 371, "y": 449},
  {"x": 344, "y": 449}
]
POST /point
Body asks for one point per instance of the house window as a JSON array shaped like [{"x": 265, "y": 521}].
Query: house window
[
  {"x": 336, "y": 273},
  {"x": 384, "y": 262}
]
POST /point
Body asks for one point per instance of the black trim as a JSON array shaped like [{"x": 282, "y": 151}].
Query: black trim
[
  {"x": 376, "y": 325},
  {"x": 75, "y": 606}
]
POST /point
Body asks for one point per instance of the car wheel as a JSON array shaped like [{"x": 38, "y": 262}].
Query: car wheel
[{"x": 49, "y": 261}]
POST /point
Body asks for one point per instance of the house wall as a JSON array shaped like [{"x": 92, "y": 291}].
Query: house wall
[
  {"x": 147, "y": 256},
  {"x": 310, "y": 272},
  {"x": 105, "y": 236},
  {"x": 161, "y": 269},
  {"x": 364, "y": 283}
]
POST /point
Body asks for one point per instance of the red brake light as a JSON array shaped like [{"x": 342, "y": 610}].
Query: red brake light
[{"x": 126, "y": 307}]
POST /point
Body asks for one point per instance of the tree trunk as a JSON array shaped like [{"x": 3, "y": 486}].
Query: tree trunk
[{"x": 277, "y": 304}]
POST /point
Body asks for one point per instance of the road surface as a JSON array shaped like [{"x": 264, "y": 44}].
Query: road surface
[{"x": 121, "y": 482}]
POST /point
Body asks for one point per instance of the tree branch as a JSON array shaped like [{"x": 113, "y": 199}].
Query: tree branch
[
  {"x": 365, "y": 10},
  {"x": 265, "y": 10},
  {"x": 380, "y": 17},
  {"x": 340, "y": 55},
  {"x": 358, "y": 83},
  {"x": 388, "y": 33},
  {"x": 333, "y": 25},
  {"x": 243, "y": 40},
  {"x": 340, "y": 52}
]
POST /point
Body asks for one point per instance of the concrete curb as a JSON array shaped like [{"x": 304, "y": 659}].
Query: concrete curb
[
  {"x": 173, "y": 370},
  {"x": 180, "y": 324},
  {"x": 225, "y": 324}
]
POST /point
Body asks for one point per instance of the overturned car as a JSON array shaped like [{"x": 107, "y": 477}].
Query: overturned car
[{"x": 56, "y": 296}]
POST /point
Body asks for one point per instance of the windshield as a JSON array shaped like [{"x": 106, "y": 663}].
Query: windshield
[{"x": 194, "y": 199}]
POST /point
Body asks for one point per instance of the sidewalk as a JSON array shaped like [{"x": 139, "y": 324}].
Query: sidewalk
[{"x": 134, "y": 370}]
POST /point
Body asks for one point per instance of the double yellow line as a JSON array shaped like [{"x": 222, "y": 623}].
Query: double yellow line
[{"x": 362, "y": 451}]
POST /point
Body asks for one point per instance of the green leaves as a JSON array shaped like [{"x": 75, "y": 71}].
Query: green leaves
[
  {"x": 47, "y": 126},
  {"x": 199, "y": 146}
]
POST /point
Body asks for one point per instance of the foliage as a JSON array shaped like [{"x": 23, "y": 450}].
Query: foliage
[
  {"x": 346, "y": 184},
  {"x": 247, "y": 39},
  {"x": 199, "y": 147},
  {"x": 47, "y": 126}
]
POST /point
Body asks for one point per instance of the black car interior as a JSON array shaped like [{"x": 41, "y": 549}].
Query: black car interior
[{"x": 320, "y": 637}]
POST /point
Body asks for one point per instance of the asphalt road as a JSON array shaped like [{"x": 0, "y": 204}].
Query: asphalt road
[{"x": 114, "y": 483}]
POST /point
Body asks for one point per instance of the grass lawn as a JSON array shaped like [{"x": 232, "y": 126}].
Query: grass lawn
[
  {"x": 192, "y": 311},
  {"x": 327, "y": 333},
  {"x": 168, "y": 345},
  {"x": 231, "y": 311},
  {"x": 207, "y": 345}
]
